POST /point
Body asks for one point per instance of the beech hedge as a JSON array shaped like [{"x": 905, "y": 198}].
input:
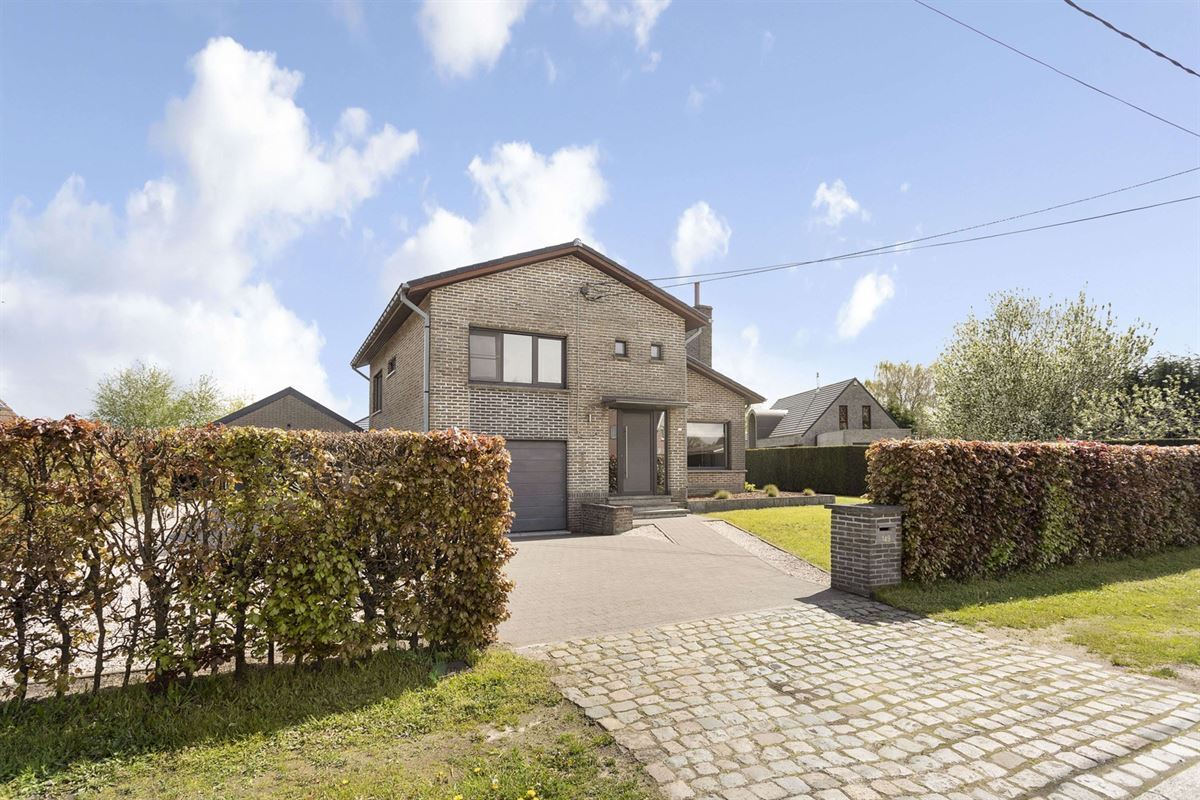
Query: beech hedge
[
  {"x": 185, "y": 550},
  {"x": 986, "y": 508}
]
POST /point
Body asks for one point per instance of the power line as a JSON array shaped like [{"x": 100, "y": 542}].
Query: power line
[
  {"x": 885, "y": 250},
  {"x": 1036, "y": 60},
  {"x": 887, "y": 247},
  {"x": 957, "y": 241},
  {"x": 1129, "y": 36}
]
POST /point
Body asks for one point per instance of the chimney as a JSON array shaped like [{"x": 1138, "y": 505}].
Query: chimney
[{"x": 700, "y": 348}]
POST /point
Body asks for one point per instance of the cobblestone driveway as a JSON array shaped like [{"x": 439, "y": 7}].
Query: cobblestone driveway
[{"x": 852, "y": 699}]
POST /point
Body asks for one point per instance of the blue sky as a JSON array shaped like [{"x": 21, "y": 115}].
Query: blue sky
[{"x": 184, "y": 184}]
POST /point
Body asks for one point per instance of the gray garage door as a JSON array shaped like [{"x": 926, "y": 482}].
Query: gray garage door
[{"x": 539, "y": 484}]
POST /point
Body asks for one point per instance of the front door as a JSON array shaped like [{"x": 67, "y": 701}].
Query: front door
[{"x": 635, "y": 452}]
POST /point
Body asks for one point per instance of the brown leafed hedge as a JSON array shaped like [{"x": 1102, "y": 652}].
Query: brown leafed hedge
[
  {"x": 189, "y": 549},
  {"x": 985, "y": 508}
]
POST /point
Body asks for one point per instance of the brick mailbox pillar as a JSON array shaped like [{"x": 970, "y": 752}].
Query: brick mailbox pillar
[{"x": 864, "y": 547}]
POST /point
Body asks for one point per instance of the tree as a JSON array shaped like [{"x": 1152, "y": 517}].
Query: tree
[
  {"x": 1026, "y": 371},
  {"x": 1166, "y": 370},
  {"x": 1143, "y": 411},
  {"x": 146, "y": 396},
  {"x": 906, "y": 391}
]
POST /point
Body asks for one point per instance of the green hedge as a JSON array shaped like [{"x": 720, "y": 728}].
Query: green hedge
[
  {"x": 833, "y": 470},
  {"x": 185, "y": 550},
  {"x": 986, "y": 508}
]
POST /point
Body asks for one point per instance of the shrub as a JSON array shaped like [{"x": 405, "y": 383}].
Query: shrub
[
  {"x": 749, "y": 487},
  {"x": 808, "y": 492},
  {"x": 771, "y": 490},
  {"x": 188, "y": 549},
  {"x": 985, "y": 508},
  {"x": 836, "y": 470},
  {"x": 722, "y": 494}
]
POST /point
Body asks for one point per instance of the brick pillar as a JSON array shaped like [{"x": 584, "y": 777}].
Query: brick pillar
[{"x": 864, "y": 547}]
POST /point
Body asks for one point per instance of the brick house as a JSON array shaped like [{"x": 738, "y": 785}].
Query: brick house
[
  {"x": 601, "y": 382},
  {"x": 838, "y": 414},
  {"x": 291, "y": 410}
]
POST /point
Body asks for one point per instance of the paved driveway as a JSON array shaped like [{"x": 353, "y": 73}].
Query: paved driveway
[
  {"x": 828, "y": 695},
  {"x": 573, "y": 586}
]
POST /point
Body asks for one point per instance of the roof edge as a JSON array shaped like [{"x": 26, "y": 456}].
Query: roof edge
[
  {"x": 419, "y": 287},
  {"x": 287, "y": 391},
  {"x": 726, "y": 381}
]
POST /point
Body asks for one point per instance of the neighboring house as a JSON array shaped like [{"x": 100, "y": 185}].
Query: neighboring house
[
  {"x": 291, "y": 410},
  {"x": 600, "y": 381},
  {"x": 840, "y": 413},
  {"x": 6, "y": 412}
]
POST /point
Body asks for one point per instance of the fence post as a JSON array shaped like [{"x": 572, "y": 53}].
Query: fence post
[{"x": 865, "y": 546}]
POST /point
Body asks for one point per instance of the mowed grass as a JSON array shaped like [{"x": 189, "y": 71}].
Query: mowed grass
[
  {"x": 1138, "y": 612},
  {"x": 389, "y": 728},
  {"x": 801, "y": 530}
]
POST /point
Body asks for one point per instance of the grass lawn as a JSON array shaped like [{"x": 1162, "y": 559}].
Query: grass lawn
[
  {"x": 1138, "y": 612},
  {"x": 801, "y": 530},
  {"x": 388, "y": 728}
]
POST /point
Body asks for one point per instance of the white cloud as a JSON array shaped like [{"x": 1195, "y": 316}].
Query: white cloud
[
  {"x": 768, "y": 42},
  {"x": 740, "y": 354},
  {"x": 904, "y": 187},
  {"x": 529, "y": 200},
  {"x": 700, "y": 236},
  {"x": 698, "y": 96},
  {"x": 351, "y": 14},
  {"x": 464, "y": 36},
  {"x": 551, "y": 68},
  {"x": 171, "y": 279},
  {"x": 639, "y": 16},
  {"x": 837, "y": 202},
  {"x": 870, "y": 292}
]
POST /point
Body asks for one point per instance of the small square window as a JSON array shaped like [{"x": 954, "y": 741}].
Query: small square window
[
  {"x": 391, "y": 365},
  {"x": 621, "y": 348},
  {"x": 656, "y": 352}
]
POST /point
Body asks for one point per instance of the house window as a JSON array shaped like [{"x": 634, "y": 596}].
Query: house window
[
  {"x": 706, "y": 445},
  {"x": 621, "y": 348},
  {"x": 656, "y": 352},
  {"x": 502, "y": 357},
  {"x": 866, "y": 418},
  {"x": 377, "y": 392},
  {"x": 391, "y": 366},
  {"x": 843, "y": 417}
]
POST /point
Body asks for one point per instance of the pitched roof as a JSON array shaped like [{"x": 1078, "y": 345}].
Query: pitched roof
[
  {"x": 282, "y": 393},
  {"x": 805, "y": 408},
  {"x": 724, "y": 380},
  {"x": 766, "y": 420},
  {"x": 396, "y": 312}
]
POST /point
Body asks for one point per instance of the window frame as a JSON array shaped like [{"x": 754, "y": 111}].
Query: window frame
[
  {"x": 866, "y": 417},
  {"x": 391, "y": 366},
  {"x": 661, "y": 352},
  {"x": 844, "y": 418},
  {"x": 624, "y": 344},
  {"x": 497, "y": 335},
  {"x": 725, "y": 427},
  {"x": 377, "y": 393}
]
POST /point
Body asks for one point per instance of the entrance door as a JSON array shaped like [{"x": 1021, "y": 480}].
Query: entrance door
[{"x": 635, "y": 452}]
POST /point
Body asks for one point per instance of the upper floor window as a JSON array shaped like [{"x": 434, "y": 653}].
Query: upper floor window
[
  {"x": 391, "y": 367},
  {"x": 656, "y": 352},
  {"x": 866, "y": 419},
  {"x": 377, "y": 392},
  {"x": 621, "y": 348},
  {"x": 843, "y": 417},
  {"x": 502, "y": 357},
  {"x": 706, "y": 445}
]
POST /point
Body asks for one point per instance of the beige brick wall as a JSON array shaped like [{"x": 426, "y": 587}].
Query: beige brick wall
[
  {"x": 402, "y": 390},
  {"x": 709, "y": 401},
  {"x": 293, "y": 414}
]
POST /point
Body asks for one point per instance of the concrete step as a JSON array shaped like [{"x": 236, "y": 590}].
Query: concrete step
[
  {"x": 639, "y": 500},
  {"x": 665, "y": 512}
]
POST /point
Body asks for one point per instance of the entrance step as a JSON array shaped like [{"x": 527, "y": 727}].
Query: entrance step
[
  {"x": 664, "y": 512},
  {"x": 640, "y": 500}
]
